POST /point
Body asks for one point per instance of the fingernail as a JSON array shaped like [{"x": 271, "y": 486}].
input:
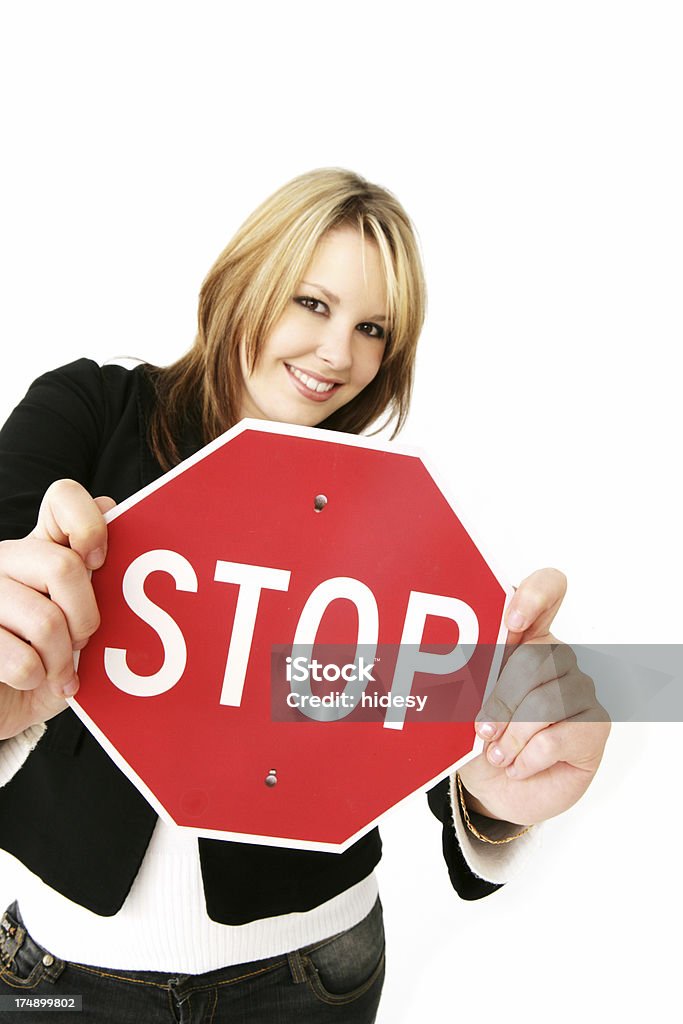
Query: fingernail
[
  {"x": 496, "y": 755},
  {"x": 516, "y": 621},
  {"x": 511, "y": 771},
  {"x": 486, "y": 730},
  {"x": 71, "y": 687},
  {"x": 95, "y": 558}
]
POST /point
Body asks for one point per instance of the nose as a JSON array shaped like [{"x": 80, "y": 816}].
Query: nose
[{"x": 335, "y": 347}]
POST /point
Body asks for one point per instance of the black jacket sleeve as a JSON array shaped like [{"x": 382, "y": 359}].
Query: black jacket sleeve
[
  {"x": 54, "y": 433},
  {"x": 467, "y": 885}
]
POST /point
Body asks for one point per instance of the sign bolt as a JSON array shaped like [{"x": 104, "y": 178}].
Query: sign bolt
[
  {"x": 319, "y": 502},
  {"x": 271, "y": 778}
]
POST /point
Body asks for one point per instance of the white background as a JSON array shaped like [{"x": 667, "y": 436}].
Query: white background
[{"x": 537, "y": 146}]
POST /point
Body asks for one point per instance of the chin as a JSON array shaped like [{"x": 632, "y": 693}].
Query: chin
[
  {"x": 309, "y": 421},
  {"x": 306, "y": 417}
]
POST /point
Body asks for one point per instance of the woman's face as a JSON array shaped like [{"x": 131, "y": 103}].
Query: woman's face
[{"x": 329, "y": 342}]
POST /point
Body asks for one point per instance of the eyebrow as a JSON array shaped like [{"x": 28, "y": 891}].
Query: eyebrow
[{"x": 335, "y": 298}]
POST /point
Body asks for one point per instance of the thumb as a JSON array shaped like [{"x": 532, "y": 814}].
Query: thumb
[
  {"x": 105, "y": 504},
  {"x": 71, "y": 517},
  {"x": 535, "y": 605}
]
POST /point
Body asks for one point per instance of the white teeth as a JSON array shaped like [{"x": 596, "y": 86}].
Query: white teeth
[{"x": 309, "y": 382}]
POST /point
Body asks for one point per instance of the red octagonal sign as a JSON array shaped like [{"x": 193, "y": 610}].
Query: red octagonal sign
[{"x": 297, "y": 632}]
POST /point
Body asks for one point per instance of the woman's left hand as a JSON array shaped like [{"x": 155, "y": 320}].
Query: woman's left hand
[{"x": 543, "y": 728}]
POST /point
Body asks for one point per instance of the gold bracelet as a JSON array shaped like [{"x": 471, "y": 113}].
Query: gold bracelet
[{"x": 474, "y": 830}]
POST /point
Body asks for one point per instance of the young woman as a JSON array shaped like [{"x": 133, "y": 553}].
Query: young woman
[{"x": 311, "y": 316}]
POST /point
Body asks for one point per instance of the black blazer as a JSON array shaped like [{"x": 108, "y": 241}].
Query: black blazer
[{"x": 69, "y": 814}]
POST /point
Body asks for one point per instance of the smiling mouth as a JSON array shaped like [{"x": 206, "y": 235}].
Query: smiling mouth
[{"x": 313, "y": 387}]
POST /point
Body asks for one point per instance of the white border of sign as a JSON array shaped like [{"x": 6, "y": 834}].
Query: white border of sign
[{"x": 315, "y": 434}]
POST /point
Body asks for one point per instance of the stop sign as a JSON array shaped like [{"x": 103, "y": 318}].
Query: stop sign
[{"x": 297, "y": 631}]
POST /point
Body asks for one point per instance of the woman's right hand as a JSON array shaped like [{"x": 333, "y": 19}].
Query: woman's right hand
[{"x": 47, "y": 605}]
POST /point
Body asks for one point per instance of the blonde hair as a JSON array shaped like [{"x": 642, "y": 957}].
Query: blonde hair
[{"x": 246, "y": 292}]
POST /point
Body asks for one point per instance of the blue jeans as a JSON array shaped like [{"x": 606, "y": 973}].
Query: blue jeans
[{"x": 336, "y": 980}]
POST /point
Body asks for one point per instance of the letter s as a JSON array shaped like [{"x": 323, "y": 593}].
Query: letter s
[
  {"x": 300, "y": 673},
  {"x": 168, "y": 630}
]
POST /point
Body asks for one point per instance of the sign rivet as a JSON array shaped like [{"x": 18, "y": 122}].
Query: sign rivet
[
  {"x": 319, "y": 502},
  {"x": 271, "y": 778}
]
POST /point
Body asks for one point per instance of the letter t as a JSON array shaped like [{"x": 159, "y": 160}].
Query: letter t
[{"x": 251, "y": 579}]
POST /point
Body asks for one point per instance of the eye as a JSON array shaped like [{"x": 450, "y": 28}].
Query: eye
[
  {"x": 372, "y": 330},
  {"x": 315, "y": 305}
]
